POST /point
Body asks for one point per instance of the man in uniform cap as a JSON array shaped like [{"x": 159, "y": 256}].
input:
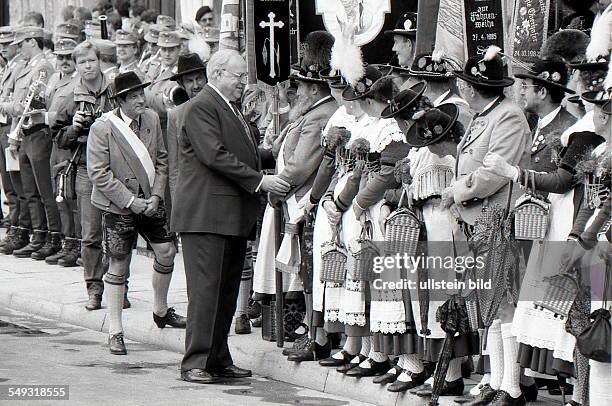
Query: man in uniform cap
[
  {"x": 166, "y": 21},
  {"x": 127, "y": 49},
  {"x": 157, "y": 94},
  {"x": 108, "y": 57},
  {"x": 150, "y": 53},
  {"x": 19, "y": 215},
  {"x": 67, "y": 30},
  {"x": 60, "y": 86},
  {"x": 33, "y": 146}
]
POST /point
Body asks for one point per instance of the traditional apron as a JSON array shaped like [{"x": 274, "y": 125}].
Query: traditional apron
[{"x": 264, "y": 277}]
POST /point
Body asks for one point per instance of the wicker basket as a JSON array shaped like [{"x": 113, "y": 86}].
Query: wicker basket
[
  {"x": 402, "y": 230},
  {"x": 559, "y": 296},
  {"x": 333, "y": 255},
  {"x": 531, "y": 214},
  {"x": 360, "y": 262}
]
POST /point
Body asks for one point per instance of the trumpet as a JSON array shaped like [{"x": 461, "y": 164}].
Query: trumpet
[
  {"x": 175, "y": 97},
  {"x": 28, "y": 101}
]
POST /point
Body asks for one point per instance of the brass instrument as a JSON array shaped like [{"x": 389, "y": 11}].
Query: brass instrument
[
  {"x": 26, "y": 111},
  {"x": 103, "y": 27},
  {"x": 175, "y": 97}
]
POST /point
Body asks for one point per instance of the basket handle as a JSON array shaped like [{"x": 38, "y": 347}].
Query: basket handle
[
  {"x": 404, "y": 195},
  {"x": 366, "y": 227}
]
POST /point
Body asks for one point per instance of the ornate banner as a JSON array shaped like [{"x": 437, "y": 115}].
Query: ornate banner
[
  {"x": 483, "y": 22},
  {"x": 449, "y": 30},
  {"x": 529, "y": 28},
  {"x": 271, "y": 46},
  {"x": 374, "y": 16}
]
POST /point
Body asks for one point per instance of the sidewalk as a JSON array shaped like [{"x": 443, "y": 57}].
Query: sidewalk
[{"x": 59, "y": 293}]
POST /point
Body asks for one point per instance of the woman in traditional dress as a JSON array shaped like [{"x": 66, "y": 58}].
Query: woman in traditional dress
[{"x": 545, "y": 347}]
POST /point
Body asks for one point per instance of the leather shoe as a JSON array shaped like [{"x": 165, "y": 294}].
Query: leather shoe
[
  {"x": 243, "y": 325},
  {"x": 454, "y": 388},
  {"x": 503, "y": 398},
  {"x": 376, "y": 368},
  {"x": 416, "y": 380},
  {"x": 171, "y": 319},
  {"x": 116, "y": 344},
  {"x": 94, "y": 302},
  {"x": 256, "y": 322},
  {"x": 231, "y": 371},
  {"x": 388, "y": 377},
  {"x": 486, "y": 395},
  {"x": 336, "y": 362},
  {"x": 530, "y": 392},
  {"x": 343, "y": 369},
  {"x": 197, "y": 376}
]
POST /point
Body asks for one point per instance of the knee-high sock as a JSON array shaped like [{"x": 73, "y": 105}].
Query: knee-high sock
[
  {"x": 454, "y": 370},
  {"x": 413, "y": 364},
  {"x": 600, "y": 381},
  {"x": 377, "y": 356},
  {"x": 366, "y": 343},
  {"x": 512, "y": 369},
  {"x": 352, "y": 345},
  {"x": 114, "y": 298},
  {"x": 161, "y": 284},
  {"x": 496, "y": 354}
]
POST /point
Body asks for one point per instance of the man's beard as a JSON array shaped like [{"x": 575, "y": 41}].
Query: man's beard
[{"x": 301, "y": 106}]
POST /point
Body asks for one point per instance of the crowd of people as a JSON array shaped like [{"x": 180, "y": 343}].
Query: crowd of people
[{"x": 491, "y": 159}]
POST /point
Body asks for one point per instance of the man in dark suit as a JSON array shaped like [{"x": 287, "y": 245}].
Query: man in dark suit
[
  {"x": 216, "y": 210},
  {"x": 542, "y": 91}
]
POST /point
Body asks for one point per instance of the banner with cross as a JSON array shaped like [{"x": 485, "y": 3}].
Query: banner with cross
[{"x": 272, "y": 44}]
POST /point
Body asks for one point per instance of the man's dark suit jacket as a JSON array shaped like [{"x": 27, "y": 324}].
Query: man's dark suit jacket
[
  {"x": 541, "y": 157},
  {"x": 219, "y": 171}
]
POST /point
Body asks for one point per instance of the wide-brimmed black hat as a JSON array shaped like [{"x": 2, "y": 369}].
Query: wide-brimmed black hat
[
  {"x": 334, "y": 78},
  {"x": 128, "y": 82},
  {"x": 433, "y": 126},
  {"x": 427, "y": 67},
  {"x": 308, "y": 74},
  {"x": 405, "y": 102},
  {"x": 596, "y": 97},
  {"x": 405, "y": 25},
  {"x": 387, "y": 69},
  {"x": 364, "y": 85},
  {"x": 600, "y": 64},
  {"x": 550, "y": 73},
  {"x": 188, "y": 63},
  {"x": 485, "y": 72}
]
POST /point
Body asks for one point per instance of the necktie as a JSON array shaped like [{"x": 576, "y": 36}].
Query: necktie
[
  {"x": 135, "y": 127},
  {"x": 243, "y": 122},
  {"x": 536, "y": 132}
]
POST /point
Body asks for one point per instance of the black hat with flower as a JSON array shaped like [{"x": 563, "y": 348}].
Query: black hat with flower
[
  {"x": 550, "y": 73},
  {"x": 431, "y": 126},
  {"x": 405, "y": 103},
  {"x": 488, "y": 71},
  {"x": 363, "y": 86},
  {"x": 405, "y": 25},
  {"x": 308, "y": 74},
  {"x": 333, "y": 77}
]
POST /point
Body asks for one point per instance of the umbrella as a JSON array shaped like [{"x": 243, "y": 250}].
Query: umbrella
[{"x": 453, "y": 318}]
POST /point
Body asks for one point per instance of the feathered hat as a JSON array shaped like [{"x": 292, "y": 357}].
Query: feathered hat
[
  {"x": 316, "y": 50},
  {"x": 488, "y": 71},
  {"x": 551, "y": 73},
  {"x": 569, "y": 44}
]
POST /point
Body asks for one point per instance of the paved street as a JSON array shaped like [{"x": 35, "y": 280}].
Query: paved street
[{"x": 42, "y": 351}]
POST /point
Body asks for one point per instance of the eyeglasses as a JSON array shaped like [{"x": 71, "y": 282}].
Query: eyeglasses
[
  {"x": 524, "y": 87},
  {"x": 242, "y": 76}
]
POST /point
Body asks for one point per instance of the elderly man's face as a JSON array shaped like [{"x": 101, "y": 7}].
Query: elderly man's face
[
  {"x": 134, "y": 104},
  {"x": 402, "y": 46},
  {"x": 233, "y": 78},
  {"x": 193, "y": 83}
]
